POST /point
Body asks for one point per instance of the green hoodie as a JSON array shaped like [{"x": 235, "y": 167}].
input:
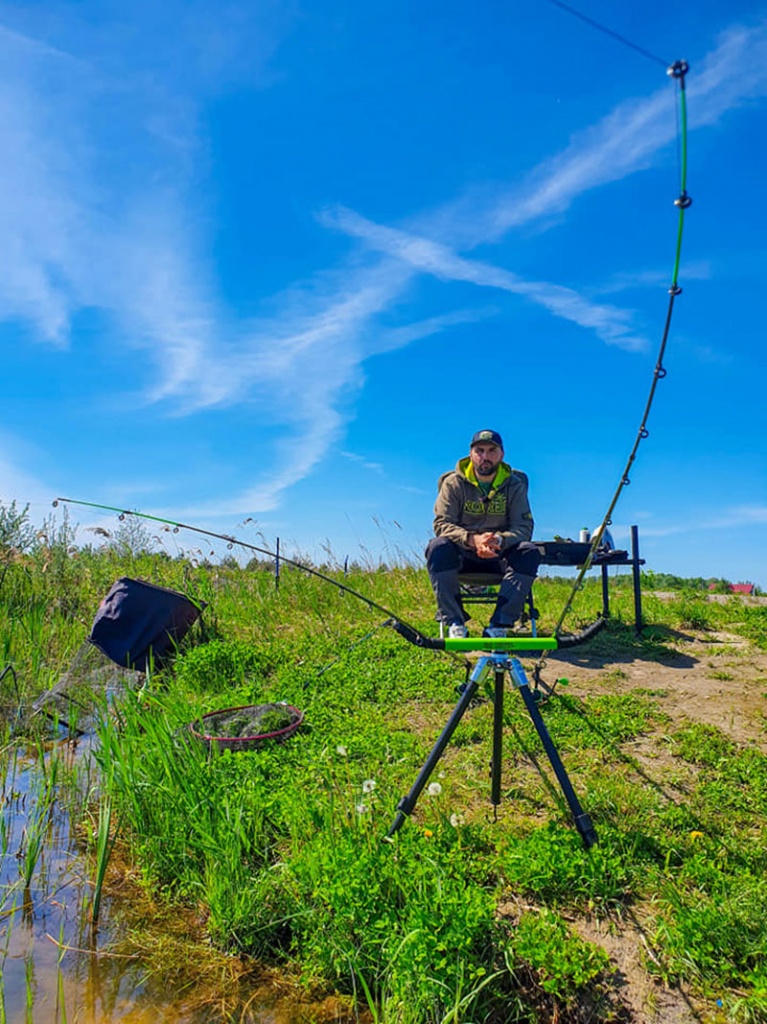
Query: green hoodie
[{"x": 462, "y": 509}]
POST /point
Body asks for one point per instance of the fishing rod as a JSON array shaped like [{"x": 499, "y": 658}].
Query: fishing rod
[
  {"x": 230, "y": 540},
  {"x": 456, "y": 645},
  {"x": 678, "y": 72}
]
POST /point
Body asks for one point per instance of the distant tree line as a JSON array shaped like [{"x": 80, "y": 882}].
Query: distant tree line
[
  {"x": 667, "y": 581},
  {"x": 132, "y": 537}
]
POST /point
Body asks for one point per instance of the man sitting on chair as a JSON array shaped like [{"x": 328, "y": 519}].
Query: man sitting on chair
[{"x": 482, "y": 524}]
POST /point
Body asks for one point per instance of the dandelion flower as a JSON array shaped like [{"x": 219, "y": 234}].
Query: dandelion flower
[
  {"x": 368, "y": 785},
  {"x": 428, "y": 833},
  {"x": 696, "y": 835},
  {"x": 434, "y": 789},
  {"x": 341, "y": 749},
  {"x": 362, "y": 808},
  {"x": 456, "y": 820}
]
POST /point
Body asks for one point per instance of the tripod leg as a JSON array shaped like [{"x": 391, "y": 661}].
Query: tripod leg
[
  {"x": 407, "y": 803},
  {"x": 581, "y": 819},
  {"x": 495, "y": 779}
]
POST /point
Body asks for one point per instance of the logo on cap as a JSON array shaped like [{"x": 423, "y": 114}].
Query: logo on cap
[{"x": 487, "y": 437}]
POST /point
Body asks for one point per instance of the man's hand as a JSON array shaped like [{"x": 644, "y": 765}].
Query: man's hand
[{"x": 486, "y": 545}]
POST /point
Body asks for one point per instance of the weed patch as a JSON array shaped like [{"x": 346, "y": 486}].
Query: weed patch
[
  {"x": 563, "y": 964},
  {"x": 281, "y": 851}
]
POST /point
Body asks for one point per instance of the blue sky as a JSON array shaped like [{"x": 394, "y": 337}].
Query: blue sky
[{"x": 280, "y": 260}]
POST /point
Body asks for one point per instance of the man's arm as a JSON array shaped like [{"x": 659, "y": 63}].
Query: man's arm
[
  {"x": 520, "y": 523},
  {"x": 448, "y": 510}
]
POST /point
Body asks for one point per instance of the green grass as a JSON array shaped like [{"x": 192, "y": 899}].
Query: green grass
[{"x": 283, "y": 848}]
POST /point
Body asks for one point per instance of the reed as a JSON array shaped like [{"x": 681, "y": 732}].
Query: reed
[
  {"x": 42, "y": 797},
  {"x": 282, "y": 846},
  {"x": 61, "y": 1003},
  {"x": 106, "y": 837}
]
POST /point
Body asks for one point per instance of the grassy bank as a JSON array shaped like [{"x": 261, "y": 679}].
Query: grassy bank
[{"x": 460, "y": 918}]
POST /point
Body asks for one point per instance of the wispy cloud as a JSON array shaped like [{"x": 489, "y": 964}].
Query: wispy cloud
[
  {"x": 740, "y": 515},
  {"x": 376, "y": 467},
  {"x": 99, "y": 188},
  {"x": 627, "y": 140},
  {"x": 611, "y": 324},
  {"x": 16, "y": 484},
  {"x": 76, "y": 113},
  {"x": 699, "y": 270},
  {"x": 392, "y": 338},
  {"x": 38, "y": 213},
  {"x": 298, "y": 368},
  {"x": 729, "y": 518}
]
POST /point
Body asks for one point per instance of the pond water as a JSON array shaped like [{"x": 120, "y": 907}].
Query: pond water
[{"x": 136, "y": 966}]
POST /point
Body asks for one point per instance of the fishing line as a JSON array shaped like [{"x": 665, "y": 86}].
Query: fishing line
[
  {"x": 351, "y": 647},
  {"x": 609, "y": 32}
]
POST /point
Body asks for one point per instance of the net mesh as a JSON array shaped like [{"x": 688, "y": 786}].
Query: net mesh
[
  {"x": 243, "y": 727},
  {"x": 90, "y": 683}
]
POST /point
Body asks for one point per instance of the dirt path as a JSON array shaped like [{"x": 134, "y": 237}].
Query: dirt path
[{"x": 715, "y": 678}]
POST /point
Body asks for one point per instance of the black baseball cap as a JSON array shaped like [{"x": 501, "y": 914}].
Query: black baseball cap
[{"x": 487, "y": 437}]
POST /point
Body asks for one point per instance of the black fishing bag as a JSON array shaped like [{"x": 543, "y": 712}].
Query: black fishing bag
[{"x": 139, "y": 621}]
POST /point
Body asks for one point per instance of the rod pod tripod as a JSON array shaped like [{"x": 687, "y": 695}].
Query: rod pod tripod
[{"x": 500, "y": 664}]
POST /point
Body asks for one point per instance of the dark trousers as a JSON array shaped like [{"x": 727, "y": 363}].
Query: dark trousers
[{"x": 517, "y": 567}]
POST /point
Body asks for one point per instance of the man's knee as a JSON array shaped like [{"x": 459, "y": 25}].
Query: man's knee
[
  {"x": 524, "y": 558},
  {"x": 442, "y": 555}
]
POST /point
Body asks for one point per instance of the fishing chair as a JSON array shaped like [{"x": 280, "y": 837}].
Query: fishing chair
[{"x": 482, "y": 588}]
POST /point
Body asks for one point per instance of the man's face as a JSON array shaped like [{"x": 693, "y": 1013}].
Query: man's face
[{"x": 485, "y": 458}]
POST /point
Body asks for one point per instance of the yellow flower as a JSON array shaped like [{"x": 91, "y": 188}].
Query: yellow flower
[
  {"x": 696, "y": 835},
  {"x": 428, "y": 833}
]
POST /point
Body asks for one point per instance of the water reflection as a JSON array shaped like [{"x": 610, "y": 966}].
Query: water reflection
[{"x": 57, "y": 967}]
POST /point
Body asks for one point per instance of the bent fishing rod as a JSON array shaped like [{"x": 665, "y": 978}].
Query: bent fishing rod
[
  {"x": 457, "y": 645},
  {"x": 230, "y": 540}
]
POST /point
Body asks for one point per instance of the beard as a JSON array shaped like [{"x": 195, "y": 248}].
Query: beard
[{"x": 486, "y": 468}]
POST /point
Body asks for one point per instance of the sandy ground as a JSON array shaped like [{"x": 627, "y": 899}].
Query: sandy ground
[{"x": 714, "y": 678}]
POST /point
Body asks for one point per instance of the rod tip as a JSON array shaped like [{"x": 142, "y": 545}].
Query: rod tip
[{"x": 678, "y": 69}]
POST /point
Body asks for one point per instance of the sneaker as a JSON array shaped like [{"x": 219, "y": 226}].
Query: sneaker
[
  {"x": 457, "y": 631},
  {"x": 495, "y": 632}
]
